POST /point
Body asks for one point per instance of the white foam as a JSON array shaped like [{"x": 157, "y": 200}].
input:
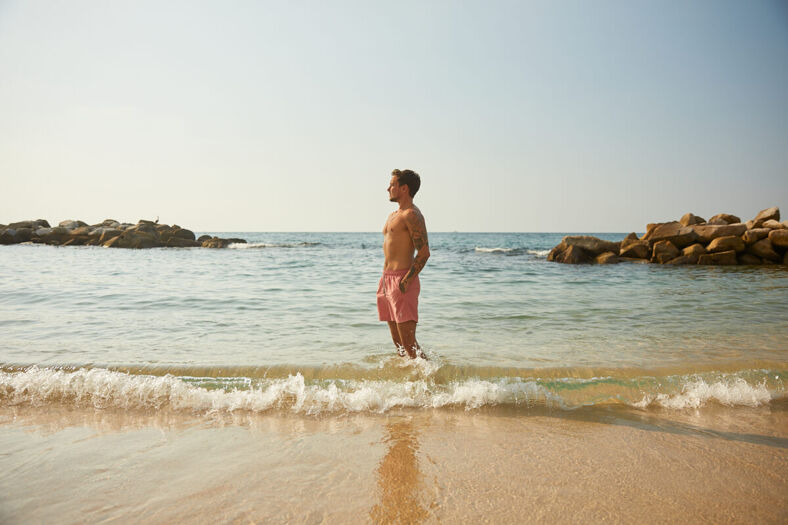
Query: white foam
[
  {"x": 251, "y": 245},
  {"x": 494, "y": 250},
  {"x": 538, "y": 253},
  {"x": 695, "y": 394},
  {"x": 103, "y": 388}
]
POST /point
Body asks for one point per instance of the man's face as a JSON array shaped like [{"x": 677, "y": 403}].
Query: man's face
[{"x": 394, "y": 189}]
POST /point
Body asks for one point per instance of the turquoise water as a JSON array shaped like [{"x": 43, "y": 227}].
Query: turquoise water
[{"x": 300, "y": 307}]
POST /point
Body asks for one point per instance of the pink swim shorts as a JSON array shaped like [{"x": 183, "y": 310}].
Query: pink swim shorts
[{"x": 393, "y": 305}]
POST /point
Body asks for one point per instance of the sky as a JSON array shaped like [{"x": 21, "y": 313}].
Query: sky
[{"x": 554, "y": 116}]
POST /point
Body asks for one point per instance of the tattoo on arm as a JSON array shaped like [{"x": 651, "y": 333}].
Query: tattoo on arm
[{"x": 418, "y": 234}]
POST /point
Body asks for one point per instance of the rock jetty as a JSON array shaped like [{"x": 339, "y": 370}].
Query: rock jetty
[
  {"x": 110, "y": 233},
  {"x": 722, "y": 240}
]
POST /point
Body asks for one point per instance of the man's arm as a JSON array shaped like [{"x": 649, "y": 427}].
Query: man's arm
[{"x": 418, "y": 234}]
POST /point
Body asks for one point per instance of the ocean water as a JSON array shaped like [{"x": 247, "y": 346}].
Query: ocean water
[{"x": 288, "y": 323}]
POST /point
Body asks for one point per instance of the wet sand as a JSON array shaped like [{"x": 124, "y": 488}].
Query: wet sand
[{"x": 61, "y": 465}]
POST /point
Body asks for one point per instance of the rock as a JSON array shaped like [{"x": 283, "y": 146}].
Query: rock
[
  {"x": 724, "y": 244},
  {"x": 236, "y": 240},
  {"x": 107, "y": 234},
  {"x": 24, "y": 224},
  {"x": 588, "y": 243},
  {"x": 688, "y": 219},
  {"x": 773, "y": 225},
  {"x": 572, "y": 255},
  {"x": 635, "y": 250},
  {"x": 726, "y": 218},
  {"x": 664, "y": 251},
  {"x": 750, "y": 224},
  {"x": 107, "y": 223},
  {"x": 71, "y": 225},
  {"x": 680, "y": 236},
  {"x": 765, "y": 215},
  {"x": 202, "y": 238},
  {"x": 785, "y": 259},
  {"x": 695, "y": 250},
  {"x": 216, "y": 242},
  {"x": 709, "y": 232},
  {"x": 748, "y": 259},
  {"x": 755, "y": 235},
  {"x": 716, "y": 221},
  {"x": 779, "y": 238},
  {"x": 719, "y": 258},
  {"x": 133, "y": 239},
  {"x": 630, "y": 237},
  {"x": 180, "y": 242},
  {"x": 145, "y": 227},
  {"x": 606, "y": 258},
  {"x": 684, "y": 259},
  {"x": 8, "y": 236},
  {"x": 764, "y": 250},
  {"x": 183, "y": 233}
]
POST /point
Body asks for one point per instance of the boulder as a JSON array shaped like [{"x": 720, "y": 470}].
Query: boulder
[
  {"x": 719, "y": 258},
  {"x": 107, "y": 223},
  {"x": 71, "y": 224},
  {"x": 785, "y": 259},
  {"x": 684, "y": 259},
  {"x": 180, "y": 242},
  {"x": 145, "y": 227},
  {"x": 709, "y": 232},
  {"x": 635, "y": 250},
  {"x": 664, "y": 251},
  {"x": 216, "y": 242},
  {"x": 680, "y": 236},
  {"x": 695, "y": 250},
  {"x": 688, "y": 219},
  {"x": 183, "y": 233},
  {"x": 748, "y": 259},
  {"x": 107, "y": 234},
  {"x": 24, "y": 224},
  {"x": 8, "y": 236},
  {"x": 588, "y": 243},
  {"x": 724, "y": 244},
  {"x": 755, "y": 235},
  {"x": 236, "y": 240},
  {"x": 779, "y": 238},
  {"x": 133, "y": 239},
  {"x": 750, "y": 224},
  {"x": 764, "y": 250},
  {"x": 202, "y": 238},
  {"x": 606, "y": 258},
  {"x": 773, "y": 225},
  {"x": 725, "y": 218},
  {"x": 572, "y": 255},
  {"x": 765, "y": 215}
]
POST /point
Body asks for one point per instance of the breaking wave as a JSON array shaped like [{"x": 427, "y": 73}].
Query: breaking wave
[
  {"x": 104, "y": 388},
  {"x": 253, "y": 245}
]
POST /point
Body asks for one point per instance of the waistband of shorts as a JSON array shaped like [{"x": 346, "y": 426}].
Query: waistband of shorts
[{"x": 396, "y": 272}]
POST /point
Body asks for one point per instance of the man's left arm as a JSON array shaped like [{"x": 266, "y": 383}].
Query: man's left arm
[{"x": 418, "y": 234}]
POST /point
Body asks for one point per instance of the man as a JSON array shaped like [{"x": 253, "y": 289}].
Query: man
[{"x": 398, "y": 291}]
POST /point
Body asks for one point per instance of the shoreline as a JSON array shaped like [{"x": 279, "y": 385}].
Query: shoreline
[{"x": 74, "y": 465}]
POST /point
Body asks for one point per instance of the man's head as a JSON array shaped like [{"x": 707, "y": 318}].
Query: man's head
[{"x": 403, "y": 182}]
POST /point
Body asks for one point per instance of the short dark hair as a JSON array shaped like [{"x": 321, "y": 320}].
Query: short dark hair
[{"x": 410, "y": 178}]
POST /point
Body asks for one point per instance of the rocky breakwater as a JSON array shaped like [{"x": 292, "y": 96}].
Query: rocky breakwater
[
  {"x": 110, "y": 234},
  {"x": 722, "y": 240}
]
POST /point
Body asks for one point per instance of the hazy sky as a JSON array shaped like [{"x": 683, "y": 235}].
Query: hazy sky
[{"x": 290, "y": 116}]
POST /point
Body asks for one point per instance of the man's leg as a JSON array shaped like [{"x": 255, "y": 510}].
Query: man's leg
[
  {"x": 395, "y": 335},
  {"x": 407, "y": 337}
]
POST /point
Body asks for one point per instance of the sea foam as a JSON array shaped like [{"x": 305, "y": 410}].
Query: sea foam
[{"x": 102, "y": 388}]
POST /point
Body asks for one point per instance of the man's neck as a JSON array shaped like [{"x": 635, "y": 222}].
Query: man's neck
[{"x": 405, "y": 203}]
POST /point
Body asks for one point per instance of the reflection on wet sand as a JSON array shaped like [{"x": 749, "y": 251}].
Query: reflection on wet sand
[{"x": 399, "y": 477}]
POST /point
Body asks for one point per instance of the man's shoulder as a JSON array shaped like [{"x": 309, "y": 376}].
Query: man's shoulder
[{"x": 412, "y": 213}]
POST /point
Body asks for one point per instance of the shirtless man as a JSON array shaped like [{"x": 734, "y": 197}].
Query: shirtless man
[{"x": 398, "y": 290}]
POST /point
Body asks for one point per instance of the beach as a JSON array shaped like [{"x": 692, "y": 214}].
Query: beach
[
  {"x": 254, "y": 384},
  {"x": 70, "y": 465}
]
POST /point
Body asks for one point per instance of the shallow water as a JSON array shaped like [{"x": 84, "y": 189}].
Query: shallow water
[{"x": 288, "y": 322}]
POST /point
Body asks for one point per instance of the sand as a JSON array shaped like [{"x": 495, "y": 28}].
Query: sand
[{"x": 722, "y": 465}]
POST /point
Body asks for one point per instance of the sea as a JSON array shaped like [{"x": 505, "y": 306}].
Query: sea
[{"x": 287, "y": 323}]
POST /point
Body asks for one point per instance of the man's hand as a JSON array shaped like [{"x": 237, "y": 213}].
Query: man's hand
[{"x": 403, "y": 285}]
